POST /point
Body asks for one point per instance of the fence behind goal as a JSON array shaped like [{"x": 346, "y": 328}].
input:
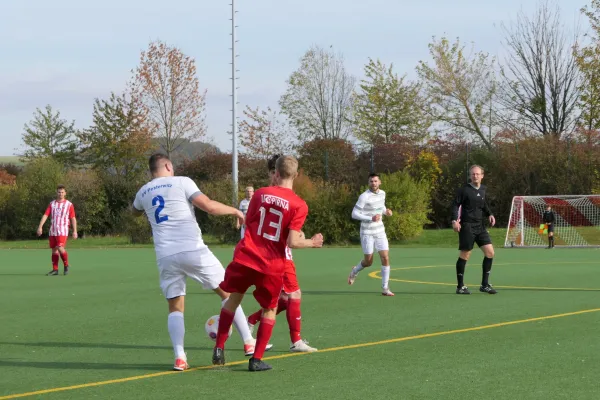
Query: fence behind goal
[{"x": 576, "y": 221}]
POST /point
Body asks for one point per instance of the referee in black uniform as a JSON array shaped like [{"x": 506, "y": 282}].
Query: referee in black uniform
[{"x": 470, "y": 199}]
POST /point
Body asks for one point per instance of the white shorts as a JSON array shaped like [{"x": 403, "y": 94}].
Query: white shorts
[
  {"x": 242, "y": 231},
  {"x": 377, "y": 242},
  {"x": 199, "y": 265}
]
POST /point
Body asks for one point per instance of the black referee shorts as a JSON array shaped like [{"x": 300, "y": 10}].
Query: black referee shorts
[
  {"x": 550, "y": 228},
  {"x": 472, "y": 233}
]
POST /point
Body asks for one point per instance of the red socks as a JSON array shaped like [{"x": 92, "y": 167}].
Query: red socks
[
  {"x": 225, "y": 321},
  {"x": 54, "y": 261},
  {"x": 294, "y": 318},
  {"x": 265, "y": 329},
  {"x": 65, "y": 258}
]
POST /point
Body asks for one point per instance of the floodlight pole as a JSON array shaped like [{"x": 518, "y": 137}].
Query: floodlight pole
[{"x": 234, "y": 134}]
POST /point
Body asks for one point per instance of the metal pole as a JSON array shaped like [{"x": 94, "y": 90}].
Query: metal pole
[{"x": 234, "y": 150}]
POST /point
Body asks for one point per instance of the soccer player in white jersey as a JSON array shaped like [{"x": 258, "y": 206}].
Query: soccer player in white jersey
[
  {"x": 61, "y": 211},
  {"x": 244, "y": 204},
  {"x": 168, "y": 202},
  {"x": 369, "y": 209}
]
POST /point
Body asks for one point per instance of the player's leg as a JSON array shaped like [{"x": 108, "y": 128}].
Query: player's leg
[
  {"x": 282, "y": 305},
  {"x": 488, "y": 257},
  {"x": 383, "y": 248},
  {"x": 367, "y": 243},
  {"x": 176, "y": 327},
  {"x": 203, "y": 267},
  {"x": 551, "y": 236},
  {"x": 172, "y": 284},
  {"x": 62, "y": 252},
  {"x": 236, "y": 282},
  {"x": 55, "y": 256},
  {"x": 465, "y": 246},
  {"x": 266, "y": 293},
  {"x": 294, "y": 313}
]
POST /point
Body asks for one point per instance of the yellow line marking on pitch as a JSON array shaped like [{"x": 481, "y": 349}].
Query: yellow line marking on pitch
[
  {"x": 375, "y": 275},
  {"x": 352, "y": 346}
]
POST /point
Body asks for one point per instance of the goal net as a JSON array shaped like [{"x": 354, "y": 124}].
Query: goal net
[{"x": 576, "y": 221}]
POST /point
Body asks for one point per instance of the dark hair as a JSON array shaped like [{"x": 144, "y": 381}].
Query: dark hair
[
  {"x": 272, "y": 161},
  {"x": 373, "y": 175},
  {"x": 61, "y": 187},
  {"x": 155, "y": 159}
]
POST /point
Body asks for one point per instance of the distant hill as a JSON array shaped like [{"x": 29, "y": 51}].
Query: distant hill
[
  {"x": 10, "y": 160},
  {"x": 189, "y": 150}
]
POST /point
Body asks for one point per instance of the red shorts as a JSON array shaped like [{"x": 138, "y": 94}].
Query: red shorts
[
  {"x": 238, "y": 278},
  {"x": 290, "y": 279},
  {"x": 57, "y": 241}
]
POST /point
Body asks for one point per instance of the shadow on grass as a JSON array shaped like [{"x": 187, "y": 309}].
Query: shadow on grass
[
  {"x": 116, "y": 346},
  {"x": 371, "y": 292}
]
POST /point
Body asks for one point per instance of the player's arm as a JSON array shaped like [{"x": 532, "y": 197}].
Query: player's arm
[
  {"x": 456, "y": 203},
  {"x": 214, "y": 207},
  {"x": 74, "y": 225},
  {"x": 43, "y": 221},
  {"x": 136, "y": 208},
  {"x": 388, "y": 212},
  {"x": 296, "y": 240},
  {"x": 73, "y": 220},
  {"x": 357, "y": 211},
  {"x": 487, "y": 211},
  {"x": 237, "y": 222}
]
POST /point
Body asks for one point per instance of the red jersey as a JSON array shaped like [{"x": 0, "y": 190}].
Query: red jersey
[
  {"x": 273, "y": 212},
  {"x": 60, "y": 213}
]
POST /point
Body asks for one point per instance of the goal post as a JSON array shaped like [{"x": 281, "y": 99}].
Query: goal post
[{"x": 576, "y": 221}]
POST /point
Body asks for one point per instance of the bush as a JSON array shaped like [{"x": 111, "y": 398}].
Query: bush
[
  {"x": 120, "y": 193},
  {"x": 85, "y": 191},
  {"x": 328, "y": 159},
  {"x": 6, "y": 192},
  {"x": 409, "y": 200},
  {"x": 36, "y": 187},
  {"x": 138, "y": 229},
  {"x": 329, "y": 211}
]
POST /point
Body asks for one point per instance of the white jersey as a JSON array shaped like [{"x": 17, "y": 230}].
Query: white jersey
[
  {"x": 167, "y": 203},
  {"x": 244, "y": 204},
  {"x": 368, "y": 205}
]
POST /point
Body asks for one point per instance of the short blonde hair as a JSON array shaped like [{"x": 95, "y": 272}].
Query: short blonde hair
[
  {"x": 250, "y": 187},
  {"x": 476, "y": 166},
  {"x": 287, "y": 166}
]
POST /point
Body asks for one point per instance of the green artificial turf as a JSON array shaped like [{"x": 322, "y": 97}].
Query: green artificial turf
[{"x": 107, "y": 320}]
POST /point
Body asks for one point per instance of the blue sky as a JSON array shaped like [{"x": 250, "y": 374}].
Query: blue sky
[{"x": 68, "y": 52}]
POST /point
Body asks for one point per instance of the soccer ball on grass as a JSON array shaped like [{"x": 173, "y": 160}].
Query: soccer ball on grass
[{"x": 212, "y": 327}]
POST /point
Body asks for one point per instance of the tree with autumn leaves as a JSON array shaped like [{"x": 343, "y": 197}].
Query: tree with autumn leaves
[{"x": 167, "y": 90}]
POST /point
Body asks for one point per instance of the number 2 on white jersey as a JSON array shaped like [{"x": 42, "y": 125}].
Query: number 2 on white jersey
[{"x": 276, "y": 225}]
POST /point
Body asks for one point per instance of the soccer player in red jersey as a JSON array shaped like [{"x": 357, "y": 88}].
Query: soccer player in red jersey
[
  {"x": 61, "y": 211},
  {"x": 273, "y": 222},
  {"x": 291, "y": 296}
]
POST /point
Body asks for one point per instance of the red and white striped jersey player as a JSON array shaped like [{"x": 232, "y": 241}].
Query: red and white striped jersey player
[{"x": 62, "y": 215}]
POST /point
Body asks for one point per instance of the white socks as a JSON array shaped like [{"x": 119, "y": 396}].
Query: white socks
[
  {"x": 385, "y": 276},
  {"x": 241, "y": 324},
  {"x": 177, "y": 332},
  {"x": 359, "y": 267}
]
